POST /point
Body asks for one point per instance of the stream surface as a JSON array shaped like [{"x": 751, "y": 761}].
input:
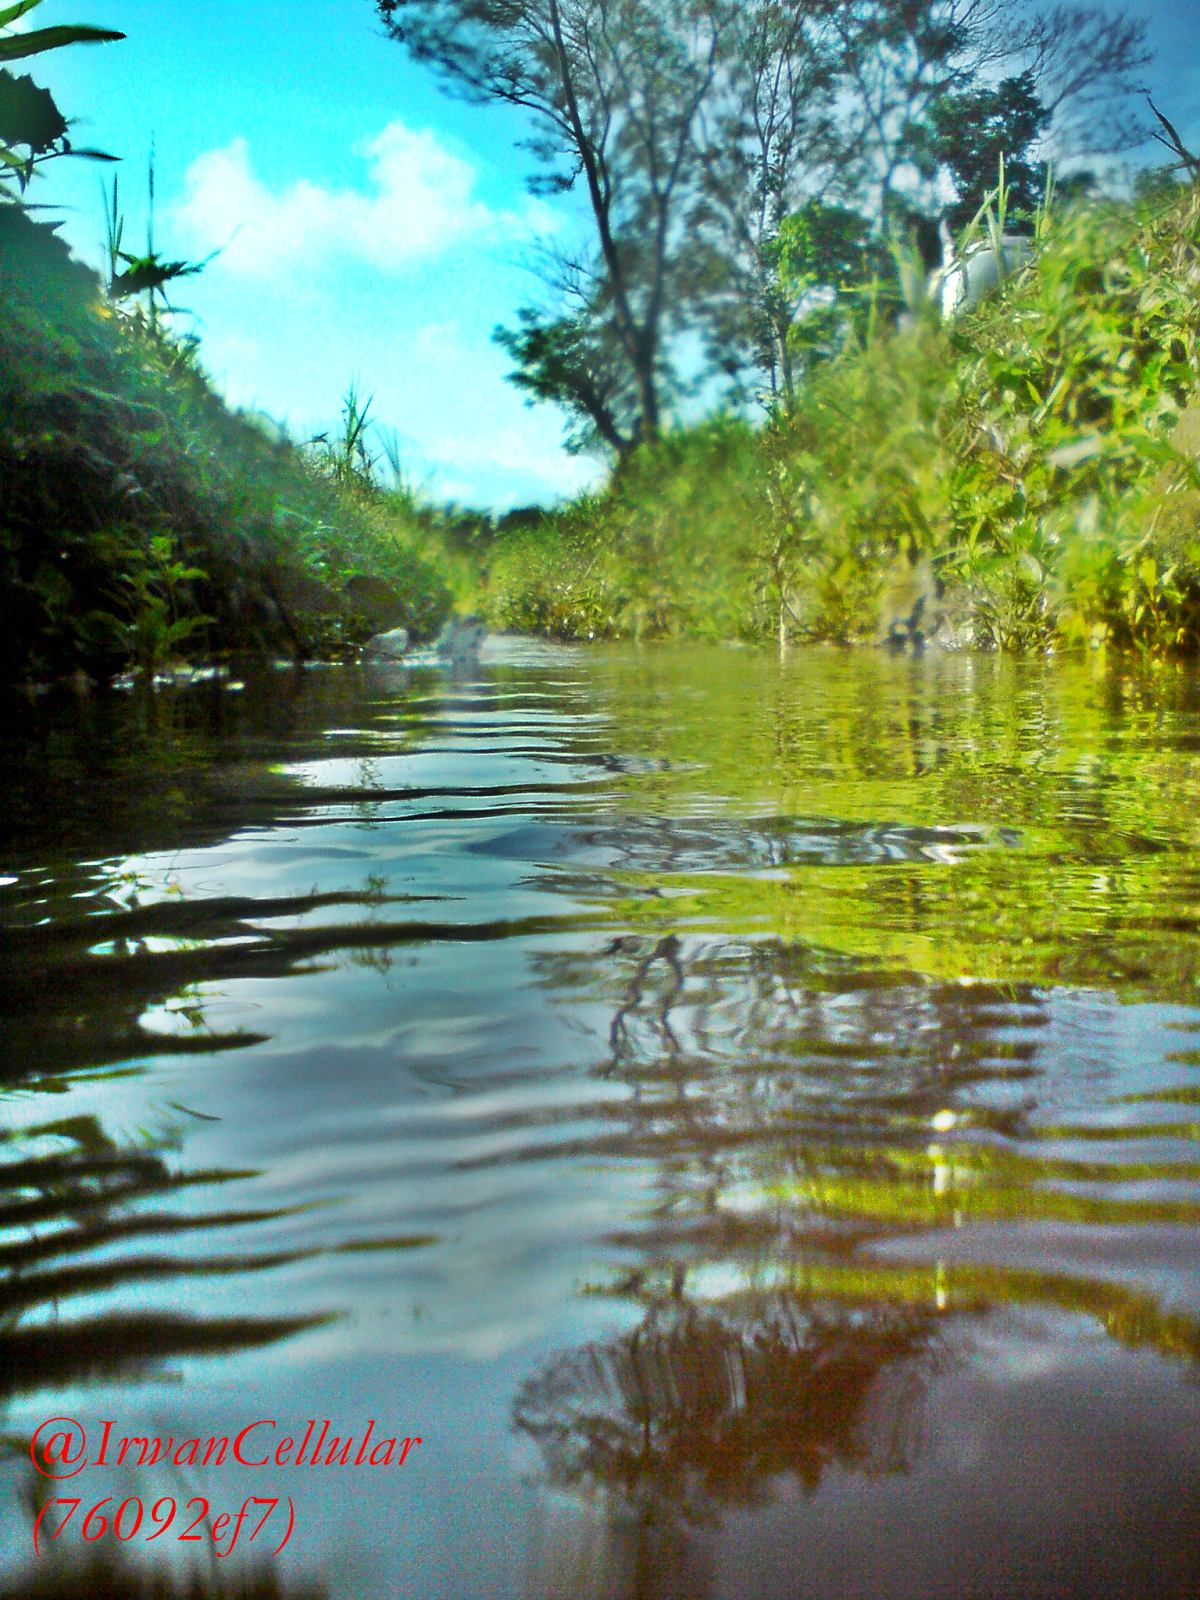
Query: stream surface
[{"x": 742, "y": 1116}]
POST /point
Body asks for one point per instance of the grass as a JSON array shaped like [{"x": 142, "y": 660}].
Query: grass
[
  {"x": 1022, "y": 478},
  {"x": 141, "y": 520}
]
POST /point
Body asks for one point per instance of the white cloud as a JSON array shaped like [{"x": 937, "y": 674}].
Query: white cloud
[
  {"x": 513, "y": 467},
  {"x": 420, "y": 200}
]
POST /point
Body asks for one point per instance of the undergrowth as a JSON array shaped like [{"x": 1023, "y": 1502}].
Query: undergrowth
[
  {"x": 141, "y": 520},
  {"x": 1025, "y": 476}
]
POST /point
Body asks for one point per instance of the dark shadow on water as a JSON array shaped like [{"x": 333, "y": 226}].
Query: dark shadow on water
[
  {"x": 69, "y": 1192},
  {"x": 108, "y": 1577}
]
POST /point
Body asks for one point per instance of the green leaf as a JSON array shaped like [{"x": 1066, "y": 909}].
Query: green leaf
[
  {"x": 1032, "y": 566},
  {"x": 12, "y": 14},
  {"x": 28, "y": 114},
  {"x": 16, "y": 12},
  {"x": 33, "y": 44}
]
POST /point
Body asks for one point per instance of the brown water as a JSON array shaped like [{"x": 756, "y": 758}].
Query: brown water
[{"x": 741, "y": 1116}]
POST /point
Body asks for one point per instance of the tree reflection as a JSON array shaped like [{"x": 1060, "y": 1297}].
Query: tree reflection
[
  {"x": 699, "y": 1407},
  {"x": 798, "y": 1110},
  {"x": 107, "y": 1575},
  {"x": 704, "y": 1408}
]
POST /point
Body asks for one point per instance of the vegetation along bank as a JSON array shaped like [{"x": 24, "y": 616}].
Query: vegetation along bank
[
  {"x": 1025, "y": 474},
  {"x": 142, "y": 521}
]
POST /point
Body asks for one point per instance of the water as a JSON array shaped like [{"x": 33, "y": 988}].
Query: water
[{"x": 741, "y": 1117}]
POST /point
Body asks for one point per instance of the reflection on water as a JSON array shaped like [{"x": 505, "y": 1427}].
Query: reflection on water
[
  {"x": 74, "y": 1207},
  {"x": 754, "y": 1106}
]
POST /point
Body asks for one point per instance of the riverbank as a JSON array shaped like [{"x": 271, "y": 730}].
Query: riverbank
[
  {"x": 142, "y": 520},
  {"x": 1026, "y": 477}
]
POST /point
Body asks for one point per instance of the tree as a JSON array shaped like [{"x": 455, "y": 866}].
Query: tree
[
  {"x": 697, "y": 128},
  {"x": 576, "y": 361},
  {"x": 617, "y": 90},
  {"x": 917, "y": 71},
  {"x": 965, "y": 135},
  {"x": 776, "y": 144}
]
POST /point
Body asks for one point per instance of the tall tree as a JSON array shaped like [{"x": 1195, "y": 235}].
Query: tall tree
[
  {"x": 776, "y": 147},
  {"x": 965, "y": 134},
  {"x": 915, "y": 70},
  {"x": 618, "y": 91}
]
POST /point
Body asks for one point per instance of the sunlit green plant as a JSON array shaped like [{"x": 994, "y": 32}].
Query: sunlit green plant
[
  {"x": 346, "y": 455},
  {"x": 159, "y": 620}
]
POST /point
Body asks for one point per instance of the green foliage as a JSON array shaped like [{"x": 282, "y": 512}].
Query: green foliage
[
  {"x": 140, "y": 520},
  {"x": 148, "y": 274},
  {"x": 346, "y": 456},
  {"x": 1071, "y": 510},
  {"x": 1027, "y": 476},
  {"x": 577, "y": 365},
  {"x": 967, "y": 134}
]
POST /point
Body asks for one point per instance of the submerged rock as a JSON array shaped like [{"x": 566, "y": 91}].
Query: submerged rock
[
  {"x": 457, "y": 645},
  {"x": 391, "y": 646}
]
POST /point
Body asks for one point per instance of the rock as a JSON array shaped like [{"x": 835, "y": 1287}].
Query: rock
[
  {"x": 460, "y": 640},
  {"x": 265, "y": 424},
  {"x": 384, "y": 647},
  {"x": 952, "y": 637},
  {"x": 962, "y": 281}
]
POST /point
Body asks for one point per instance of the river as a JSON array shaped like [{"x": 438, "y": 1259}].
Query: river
[{"x": 741, "y": 1116}]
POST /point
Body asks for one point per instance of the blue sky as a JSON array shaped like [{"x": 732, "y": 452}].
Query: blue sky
[{"x": 374, "y": 228}]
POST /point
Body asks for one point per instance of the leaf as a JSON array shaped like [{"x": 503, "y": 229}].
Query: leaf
[
  {"x": 10, "y": 158},
  {"x": 1075, "y": 453},
  {"x": 1032, "y": 566},
  {"x": 12, "y": 14},
  {"x": 150, "y": 273},
  {"x": 33, "y": 44},
  {"x": 28, "y": 115}
]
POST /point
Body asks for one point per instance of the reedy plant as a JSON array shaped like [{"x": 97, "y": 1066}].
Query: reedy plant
[
  {"x": 345, "y": 456},
  {"x": 146, "y": 274}
]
